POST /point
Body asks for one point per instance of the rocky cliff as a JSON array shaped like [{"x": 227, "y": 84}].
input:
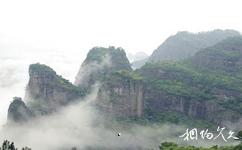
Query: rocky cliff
[
  {"x": 158, "y": 103},
  {"x": 120, "y": 94},
  {"x": 46, "y": 91}
]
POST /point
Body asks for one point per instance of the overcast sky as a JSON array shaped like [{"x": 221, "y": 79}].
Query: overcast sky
[{"x": 59, "y": 33}]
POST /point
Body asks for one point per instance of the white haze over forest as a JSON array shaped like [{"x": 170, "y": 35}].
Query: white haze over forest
[
  {"x": 79, "y": 125},
  {"x": 60, "y": 33}
]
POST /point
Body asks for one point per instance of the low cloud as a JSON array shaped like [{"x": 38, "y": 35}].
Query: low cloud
[
  {"x": 88, "y": 70},
  {"x": 82, "y": 126}
]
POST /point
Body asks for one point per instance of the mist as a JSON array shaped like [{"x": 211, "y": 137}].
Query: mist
[
  {"x": 81, "y": 125},
  {"x": 59, "y": 34},
  {"x": 92, "y": 68},
  {"x": 15, "y": 59}
]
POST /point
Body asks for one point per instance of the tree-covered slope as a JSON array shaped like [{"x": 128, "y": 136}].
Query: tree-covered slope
[
  {"x": 207, "y": 86},
  {"x": 185, "y": 44},
  {"x": 174, "y": 146}
]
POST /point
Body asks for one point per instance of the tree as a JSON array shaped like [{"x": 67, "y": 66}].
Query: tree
[
  {"x": 7, "y": 145},
  {"x": 239, "y": 135},
  {"x": 26, "y": 148}
]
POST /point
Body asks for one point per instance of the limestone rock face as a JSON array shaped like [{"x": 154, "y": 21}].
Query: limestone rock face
[
  {"x": 120, "y": 93},
  {"x": 46, "y": 91},
  {"x": 18, "y": 111},
  {"x": 210, "y": 111},
  {"x": 122, "y": 96}
]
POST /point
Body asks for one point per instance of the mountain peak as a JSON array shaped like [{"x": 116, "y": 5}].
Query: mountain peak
[
  {"x": 38, "y": 68},
  {"x": 18, "y": 111},
  {"x": 117, "y": 57},
  {"x": 48, "y": 91},
  {"x": 100, "y": 61}
]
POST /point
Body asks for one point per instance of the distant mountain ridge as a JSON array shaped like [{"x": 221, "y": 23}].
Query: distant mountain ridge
[{"x": 185, "y": 44}]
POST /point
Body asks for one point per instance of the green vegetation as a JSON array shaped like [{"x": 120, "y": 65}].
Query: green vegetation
[
  {"x": 213, "y": 75},
  {"x": 185, "y": 44},
  {"x": 69, "y": 86},
  {"x": 239, "y": 135},
  {"x": 224, "y": 56},
  {"x": 40, "y": 68},
  {"x": 174, "y": 146},
  {"x": 208, "y": 76},
  {"x": 152, "y": 116},
  {"x": 122, "y": 77},
  {"x": 55, "y": 80},
  {"x": 182, "y": 79},
  {"x": 128, "y": 74},
  {"x": 115, "y": 56},
  {"x": 7, "y": 145},
  {"x": 97, "y": 54}
]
